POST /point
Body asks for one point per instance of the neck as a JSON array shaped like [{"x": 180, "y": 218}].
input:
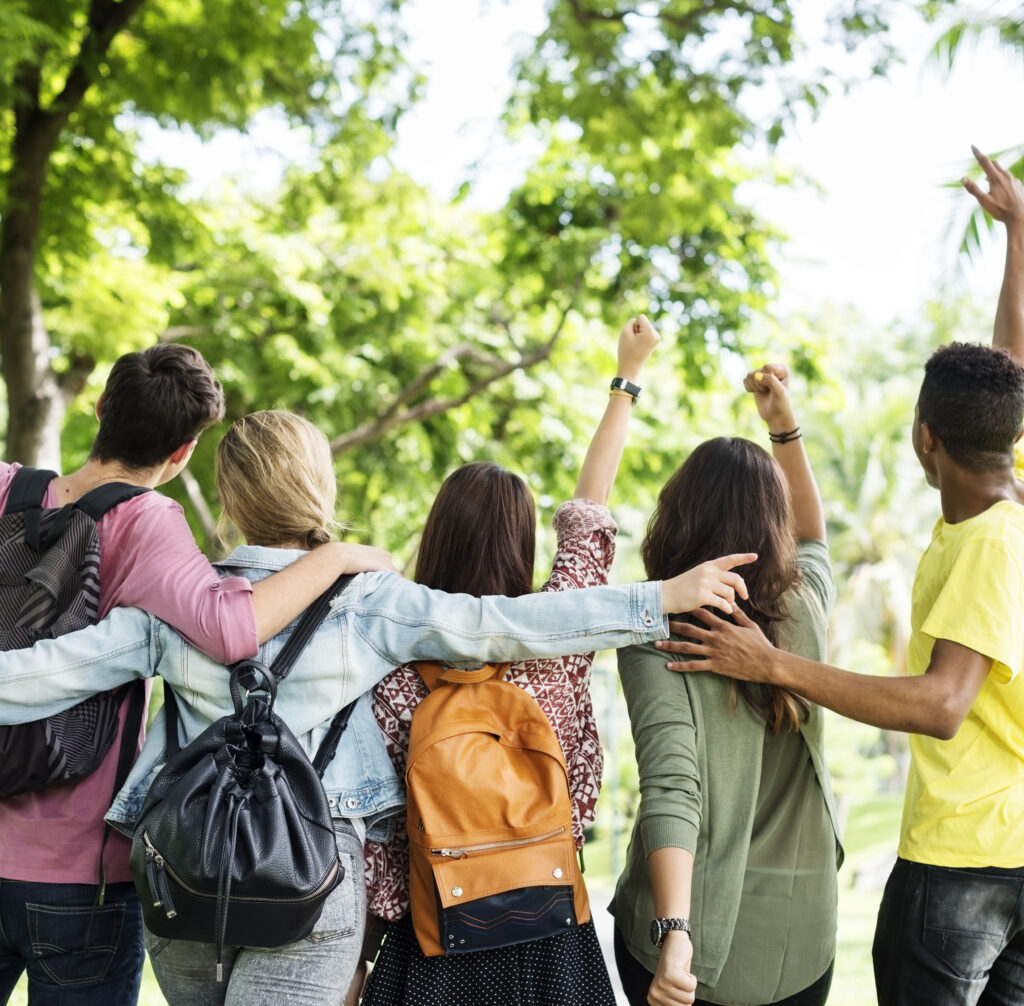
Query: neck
[
  {"x": 96, "y": 473},
  {"x": 965, "y": 494}
]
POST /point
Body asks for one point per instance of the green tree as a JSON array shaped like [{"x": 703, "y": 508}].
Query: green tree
[{"x": 80, "y": 75}]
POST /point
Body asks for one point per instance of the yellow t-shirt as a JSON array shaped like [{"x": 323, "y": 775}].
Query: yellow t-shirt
[{"x": 964, "y": 803}]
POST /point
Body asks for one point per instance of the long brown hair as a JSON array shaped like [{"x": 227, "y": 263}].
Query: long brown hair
[
  {"x": 730, "y": 496},
  {"x": 480, "y": 536}
]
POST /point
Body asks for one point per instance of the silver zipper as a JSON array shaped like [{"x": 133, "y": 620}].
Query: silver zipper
[
  {"x": 151, "y": 850},
  {"x": 467, "y": 850}
]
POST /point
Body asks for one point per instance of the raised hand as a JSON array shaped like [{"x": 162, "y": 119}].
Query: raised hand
[
  {"x": 769, "y": 385},
  {"x": 636, "y": 343},
  {"x": 712, "y": 583},
  {"x": 1004, "y": 200}
]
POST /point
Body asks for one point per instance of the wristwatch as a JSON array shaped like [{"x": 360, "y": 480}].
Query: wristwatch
[
  {"x": 659, "y": 927},
  {"x": 631, "y": 389}
]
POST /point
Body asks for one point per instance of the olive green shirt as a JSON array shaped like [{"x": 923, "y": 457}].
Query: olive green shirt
[{"x": 754, "y": 808}]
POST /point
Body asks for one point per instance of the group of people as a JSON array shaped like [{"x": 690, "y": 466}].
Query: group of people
[{"x": 729, "y": 891}]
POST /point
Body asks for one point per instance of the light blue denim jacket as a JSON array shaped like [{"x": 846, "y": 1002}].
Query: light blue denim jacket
[{"x": 380, "y": 621}]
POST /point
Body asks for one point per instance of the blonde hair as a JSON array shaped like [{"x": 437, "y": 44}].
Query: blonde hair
[{"x": 276, "y": 479}]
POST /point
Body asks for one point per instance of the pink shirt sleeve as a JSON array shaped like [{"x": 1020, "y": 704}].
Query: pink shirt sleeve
[{"x": 148, "y": 558}]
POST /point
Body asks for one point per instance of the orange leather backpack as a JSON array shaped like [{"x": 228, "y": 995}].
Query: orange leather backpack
[{"x": 491, "y": 853}]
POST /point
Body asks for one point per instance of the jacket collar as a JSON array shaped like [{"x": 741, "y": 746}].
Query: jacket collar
[{"x": 260, "y": 557}]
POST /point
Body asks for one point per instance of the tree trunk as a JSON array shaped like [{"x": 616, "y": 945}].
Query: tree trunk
[
  {"x": 37, "y": 397},
  {"x": 35, "y": 403}
]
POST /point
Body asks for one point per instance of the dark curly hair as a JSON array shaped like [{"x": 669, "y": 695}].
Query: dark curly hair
[{"x": 972, "y": 397}]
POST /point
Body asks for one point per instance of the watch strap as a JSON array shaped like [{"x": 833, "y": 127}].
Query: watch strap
[
  {"x": 621, "y": 384},
  {"x": 659, "y": 927}
]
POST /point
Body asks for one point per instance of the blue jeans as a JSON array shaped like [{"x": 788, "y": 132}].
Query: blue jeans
[
  {"x": 309, "y": 972},
  {"x": 950, "y": 937},
  {"x": 76, "y": 953}
]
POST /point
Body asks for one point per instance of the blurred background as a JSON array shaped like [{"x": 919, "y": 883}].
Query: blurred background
[{"x": 422, "y": 226}]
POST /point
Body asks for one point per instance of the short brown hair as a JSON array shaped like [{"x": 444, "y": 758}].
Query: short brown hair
[
  {"x": 730, "y": 496},
  {"x": 480, "y": 535},
  {"x": 155, "y": 401}
]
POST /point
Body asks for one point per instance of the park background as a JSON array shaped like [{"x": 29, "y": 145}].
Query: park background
[{"x": 421, "y": 224}]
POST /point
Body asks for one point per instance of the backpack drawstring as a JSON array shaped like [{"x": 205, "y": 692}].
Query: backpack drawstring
[{"x": 227, "y": 858}]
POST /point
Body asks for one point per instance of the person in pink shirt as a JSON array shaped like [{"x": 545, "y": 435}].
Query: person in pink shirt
[{"x": 69, "y": 913}]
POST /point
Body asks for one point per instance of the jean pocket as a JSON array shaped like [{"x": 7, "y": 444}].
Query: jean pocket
[
  {"x": 345, "y": 908},
  {"x": 155, "y": 945},
  {"x": 966, "y": 919},
  {"x": 75, "y": 944}
]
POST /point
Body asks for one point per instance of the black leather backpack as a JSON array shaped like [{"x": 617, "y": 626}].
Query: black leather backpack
[{"x": 235, "y": 843}]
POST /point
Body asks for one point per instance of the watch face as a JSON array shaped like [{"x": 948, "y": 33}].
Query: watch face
[{"x": 656, "y": 933}]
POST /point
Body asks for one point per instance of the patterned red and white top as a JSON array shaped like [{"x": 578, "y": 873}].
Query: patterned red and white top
[{"x": 586, "y": 547}]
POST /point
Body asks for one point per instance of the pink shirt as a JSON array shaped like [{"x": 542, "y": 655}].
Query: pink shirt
[{"x": 148, "y": 558}]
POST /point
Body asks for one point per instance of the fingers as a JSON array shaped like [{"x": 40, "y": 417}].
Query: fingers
[
  {"x": 735, "y": 559},
  {"x": 734, "y": 580},
  {"x": 740, "y": 617},
  {"x": 986, "y": 201},
  {"x": 987, "y": 165}
]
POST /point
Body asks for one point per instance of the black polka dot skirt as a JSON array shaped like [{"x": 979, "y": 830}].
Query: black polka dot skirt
[{"x": 563, "y": 970}]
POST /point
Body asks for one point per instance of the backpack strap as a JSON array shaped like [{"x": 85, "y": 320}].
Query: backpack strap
[
  {"x": 308, "y": 624},
  {"x": 329, "y": 745},
  {"x": 280, "y": 668},
  {"x": 434, "y": 674},
  {"x": 136, "y": 694},
  {"x": 28, "y": 487},
  {"x": 101, "y": 500}
]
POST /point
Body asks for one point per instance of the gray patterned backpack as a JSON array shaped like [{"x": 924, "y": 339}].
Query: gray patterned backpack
[{"x": 49, "y": 585}]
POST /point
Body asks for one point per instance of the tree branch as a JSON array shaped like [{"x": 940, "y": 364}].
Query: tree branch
[
  {"x": 395, "y": 415},
  {"x": 106, "y": 19},
  {"x": 202, "y": 509}
]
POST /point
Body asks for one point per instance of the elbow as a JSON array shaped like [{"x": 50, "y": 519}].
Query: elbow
[{"x": 944, "y": 720}]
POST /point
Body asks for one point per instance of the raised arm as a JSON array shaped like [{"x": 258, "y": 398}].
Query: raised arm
[
  {"x": 1004, "y": 202},
  {"x": 770, "y": 387},
  {"x": 597, "y": 475}
]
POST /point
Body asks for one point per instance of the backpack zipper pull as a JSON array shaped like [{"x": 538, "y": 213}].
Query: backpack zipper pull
[{"x": 156, "y": 875}]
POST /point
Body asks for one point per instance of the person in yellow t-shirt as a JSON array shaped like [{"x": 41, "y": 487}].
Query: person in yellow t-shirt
[{"x": 950, "y": 926}]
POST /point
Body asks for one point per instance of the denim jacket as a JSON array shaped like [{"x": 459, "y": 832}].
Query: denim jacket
[{"x": 381, "y": 620}]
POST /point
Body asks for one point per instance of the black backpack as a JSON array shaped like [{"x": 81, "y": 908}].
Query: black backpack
[
  {"x": 49, "y": 585},
  {"x": 235, "y": 843}
]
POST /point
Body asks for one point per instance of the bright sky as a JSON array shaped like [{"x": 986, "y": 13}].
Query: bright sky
[{"x": 878, "y": 233}]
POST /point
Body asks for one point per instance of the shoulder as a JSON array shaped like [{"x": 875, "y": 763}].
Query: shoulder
[
  {"x": 992, "y": 538},
  {"x": 6, "y": 476},
  {"x": 150, "y": 513},
  {"x": 816, "y": 581}
]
